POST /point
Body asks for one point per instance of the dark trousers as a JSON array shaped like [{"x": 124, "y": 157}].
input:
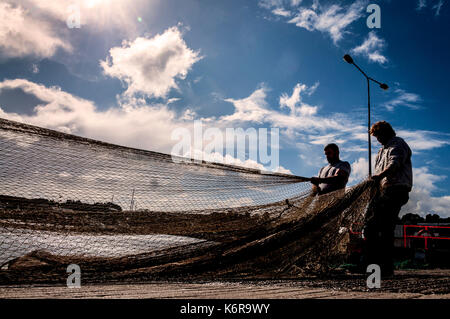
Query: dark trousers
[{"x": 380, "y": 225}]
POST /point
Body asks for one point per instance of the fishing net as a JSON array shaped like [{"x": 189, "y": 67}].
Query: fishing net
[{"x": 128, "y": 214}]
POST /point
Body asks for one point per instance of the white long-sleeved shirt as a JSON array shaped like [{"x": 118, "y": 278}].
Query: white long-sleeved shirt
[{"x": 395, "y": 153}]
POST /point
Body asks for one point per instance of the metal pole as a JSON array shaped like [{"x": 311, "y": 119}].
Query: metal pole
[
  {"x": 368, "y": 127},
  {"x": 348, "y": 59}
]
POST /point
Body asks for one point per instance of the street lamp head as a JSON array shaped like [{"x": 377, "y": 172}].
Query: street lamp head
[
  {"x": 348, "y": 59},
  {"x": 384, "y": 86}
]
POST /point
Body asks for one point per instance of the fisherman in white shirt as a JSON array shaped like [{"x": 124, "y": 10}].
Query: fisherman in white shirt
[
  {"x": 393, "y": 175},
  {"x": 333, "y": 176}
]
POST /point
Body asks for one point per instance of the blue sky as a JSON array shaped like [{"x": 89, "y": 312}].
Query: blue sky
[{"x": 136, "y": 70}]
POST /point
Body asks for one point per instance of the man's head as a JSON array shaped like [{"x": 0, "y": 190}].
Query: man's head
[
  {"x": 332, "y": 153},
  {"x": 382, "y": 131}
]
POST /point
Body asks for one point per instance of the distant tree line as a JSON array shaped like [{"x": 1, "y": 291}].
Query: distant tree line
[
  {"x": 413, "y": 219},
  {"x": 12, "y": 202}
]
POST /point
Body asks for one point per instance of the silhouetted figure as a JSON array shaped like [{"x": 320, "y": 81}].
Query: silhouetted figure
[
  {"x": 334, "y": 176},
  {"x": 393, "y": 173}
]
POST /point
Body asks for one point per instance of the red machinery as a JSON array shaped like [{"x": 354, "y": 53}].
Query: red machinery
[{"x": 426, "y": 233}]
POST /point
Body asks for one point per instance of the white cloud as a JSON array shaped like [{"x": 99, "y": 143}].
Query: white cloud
[
  {"x": 133, "y": 124},
  {"x": 151, "y": 65},
  {"x": 438, "y": 7},
  {"x": 269, "y": 4},
  {"x": 281, "y": 169},
  {"x": 421, "y": 4},
  {"x": 332, "y": 20},
  {"x": 230, "y": 160},
  {"x": 424, "y": 180},
  {"x": 371, "y": 48},
  {"x": 360, "y": 170},
  {"x": 311, "y": 90},
  {"x": 324, "y": 139},
  {"x": 117, "y": 15},
  {"x": 22, "y": 34},
  {"x": 278, "y": 7},
  {"x": 137, "y": 124},
  {"x": 421, "y": 201},
  {"x": 281, "y": 12},
  {"x": 302, "y": 116},
  {"x": 303, "y": 125},
  {"x": 294, "y": 102},
  {"x": 306, "y": 19},
  {"x": 39, "y": 28},
  {"x": 172, "y": 100},
  {"x": 424, "y": 140},
  {"x": 252, "y": 108},
  {"x": 403, "y": 98},
  {"x": 188, "y": 115}
]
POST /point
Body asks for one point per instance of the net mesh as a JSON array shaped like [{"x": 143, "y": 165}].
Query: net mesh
[{"x": 128, "y": 214}]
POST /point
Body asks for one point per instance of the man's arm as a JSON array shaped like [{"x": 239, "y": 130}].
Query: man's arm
[
  {"x": 315, "y": 189},
  {"x": 340, "y": 176},
  {"x": 314, "y": 180},
  {"x": 387, "y": 171}
]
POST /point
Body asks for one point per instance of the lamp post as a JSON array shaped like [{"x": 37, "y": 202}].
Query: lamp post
[{"x": 349, "y": 59}]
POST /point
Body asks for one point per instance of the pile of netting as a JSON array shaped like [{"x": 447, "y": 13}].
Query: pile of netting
[{"x": 127, "y": 214}]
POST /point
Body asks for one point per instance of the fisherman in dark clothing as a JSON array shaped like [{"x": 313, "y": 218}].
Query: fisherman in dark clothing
[
  {"x": 393, "y": 174},
  {"x": 334, "y": 176}
]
